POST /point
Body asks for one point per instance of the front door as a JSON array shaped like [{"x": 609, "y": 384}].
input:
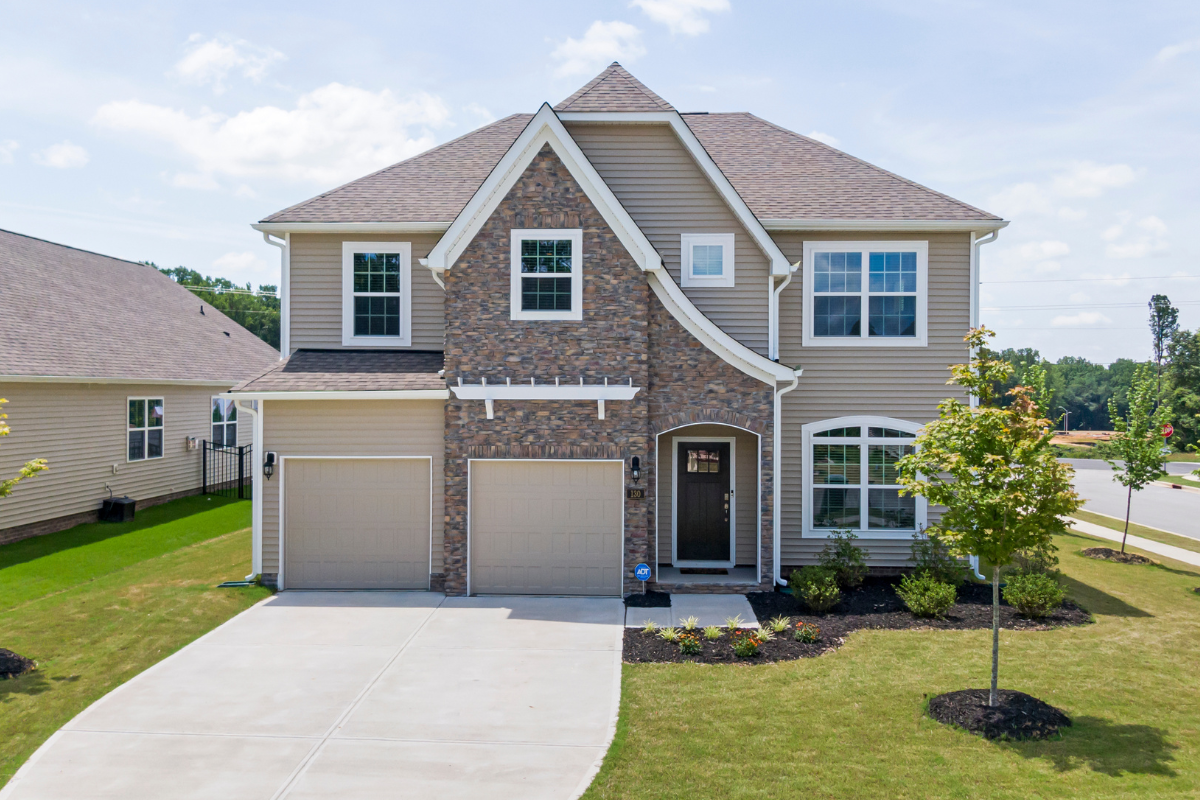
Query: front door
[{"x": 702, "y": 510}]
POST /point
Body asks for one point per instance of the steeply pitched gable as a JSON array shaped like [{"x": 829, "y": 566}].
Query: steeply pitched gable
[{"x": 614, "y": 90}]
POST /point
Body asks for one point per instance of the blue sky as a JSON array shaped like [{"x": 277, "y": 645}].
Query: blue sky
[{"x": 160, "y": 133}]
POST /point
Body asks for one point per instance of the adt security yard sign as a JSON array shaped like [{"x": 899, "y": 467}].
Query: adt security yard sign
[{"x": 642, "y": 572}]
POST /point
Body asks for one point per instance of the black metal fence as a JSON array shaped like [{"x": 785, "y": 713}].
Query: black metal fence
[{"x": 228, "y": 471}]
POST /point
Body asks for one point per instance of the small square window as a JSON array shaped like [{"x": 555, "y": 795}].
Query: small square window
[{"x": 706, "y": 259}]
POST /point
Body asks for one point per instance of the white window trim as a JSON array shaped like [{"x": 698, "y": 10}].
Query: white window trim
[
  {"x": 864, "y": 422},
  {"x": 675, "y": 560},
  {"x": 864, "y": 339},
  {"x": 147, "y": 429},
  {"x": 348, "y": 337},
  {"x": 576, "y": 237},
  {"x": 689, "y": 240}
]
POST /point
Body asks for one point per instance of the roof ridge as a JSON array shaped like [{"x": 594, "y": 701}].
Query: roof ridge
[
  {"x": 875, "y": 167},
  {"x": 78, "y": 249}
]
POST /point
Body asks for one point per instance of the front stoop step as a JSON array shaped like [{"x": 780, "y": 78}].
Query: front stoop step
[{"x": 692, "y": 587}]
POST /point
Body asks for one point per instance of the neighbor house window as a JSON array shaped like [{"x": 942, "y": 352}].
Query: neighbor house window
[
  {"x": 224, "y": 422},
  {"x": 547, "y": 274},
  {"x": 865, "y": 293},
  {"x": 376, "y": 294},
  {"x": 706, "y": 259},
  {"x": 144, "y": 434},
  {"x": 851, "y": 478}
]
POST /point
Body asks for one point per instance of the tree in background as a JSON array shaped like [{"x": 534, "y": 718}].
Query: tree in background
[
  {"x": 1183, "y": 387},
  {"x": 992, "y": 469},
  {"x": 1138, "y": 443},
  {"x": 256, "y": 312},
  {"x": 1164, "y": 324},
  {"x": 1075, "y": 384},
  {"x": 30, "y": 469}
]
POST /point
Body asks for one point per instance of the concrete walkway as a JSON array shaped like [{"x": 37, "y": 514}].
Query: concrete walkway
[
  {"x": 1148, "y": 545},
  {"x": 356, "y": 695},
  {"x": 709, "y": 609}
]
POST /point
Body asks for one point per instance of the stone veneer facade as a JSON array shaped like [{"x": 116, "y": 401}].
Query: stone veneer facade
[{"x": 625, "y": 334}]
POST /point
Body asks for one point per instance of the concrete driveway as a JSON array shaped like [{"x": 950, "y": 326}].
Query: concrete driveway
[{"x": 357, "y": 695}]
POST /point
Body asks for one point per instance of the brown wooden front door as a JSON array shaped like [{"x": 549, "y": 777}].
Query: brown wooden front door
[{"x": 702, "y": 510}]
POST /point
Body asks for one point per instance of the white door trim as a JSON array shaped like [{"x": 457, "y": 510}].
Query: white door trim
[
  {"x": 675, "y": 442},
  {"x": 279, "y": 578}
]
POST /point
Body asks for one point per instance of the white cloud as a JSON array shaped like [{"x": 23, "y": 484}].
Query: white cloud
[
  {"x": 1082, "y": 179},
  {"x": 603, "y": 43},
  {"x": 335, "y": 133},
  {"x": 1088, "y": 179},
  {"x": 1080, "y": 319},
  {"x": 682, "y": 16},
  {"x": 1020, "y": 199},
  {"x": 1153, "y": 225},
  {"x": 481, "y": 113},
  {"x": 1072, "y": 214},
  {"x": 1150, "y": 242},
  {"x": 1174, "y": 50},
  {"x": 246, "y": 267},
  {"x": 7, "y": 146},
  {"x": 1039, "y": 251},
  {"x": 63, "y": 155},
  {"x": 211, "y": 61},
  {"x": 824, "y": 138}
]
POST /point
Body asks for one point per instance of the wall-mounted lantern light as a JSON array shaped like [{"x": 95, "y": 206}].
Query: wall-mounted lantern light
[
  {"x": 269, "y": 465},
  {"x": 635, "y": 469}
]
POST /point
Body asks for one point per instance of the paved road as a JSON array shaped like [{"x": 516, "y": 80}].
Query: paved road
[
  {"x": 356, "y": 695},
  {"x": 1157, "y": 506}
]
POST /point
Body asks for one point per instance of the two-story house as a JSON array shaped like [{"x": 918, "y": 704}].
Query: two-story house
[{"x": 604, "y": 334}]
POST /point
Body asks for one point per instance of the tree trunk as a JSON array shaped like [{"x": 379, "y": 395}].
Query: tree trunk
[
  {"x": 995, "y": 634},
  {"x": 1125, "y": 535}
]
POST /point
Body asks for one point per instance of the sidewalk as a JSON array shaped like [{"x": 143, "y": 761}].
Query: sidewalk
[{"x": 1149, "y": 546}]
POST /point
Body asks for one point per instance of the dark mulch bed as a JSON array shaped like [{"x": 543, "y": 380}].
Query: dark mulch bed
[
  {"x": 649, "y": 600},
  {"x": 13, "y": 665},
  {"x": 1108, "y": 554},
  {"x": 1017, "y": 715},
  {"x": 648, "y": 648}
]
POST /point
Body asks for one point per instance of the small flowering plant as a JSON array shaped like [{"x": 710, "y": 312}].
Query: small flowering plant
[
  {"x": 745, "y": 643},
  {"x": 807, "y": 633},
  {"x": 689, "y": 644}
]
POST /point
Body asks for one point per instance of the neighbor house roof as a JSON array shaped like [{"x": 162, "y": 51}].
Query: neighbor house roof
[
  {"x": 351, "y": 370},
  {"x": 779, "y": 174},
  {"x": 68, "y": 313}
]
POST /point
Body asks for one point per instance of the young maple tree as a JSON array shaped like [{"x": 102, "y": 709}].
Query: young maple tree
[
  {"x": 992, "y": 470},
  {"x": 30, "y": 469},
  {"x": 1138, "y": 441}
]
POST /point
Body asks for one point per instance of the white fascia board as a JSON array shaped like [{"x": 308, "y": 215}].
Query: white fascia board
[
  {"x": 545, "y": 128},
  {"x": 113, "y": 380},
  {"x": 916, "y": 225},
  {"x": 570, "y": 391},
  {"x": 725, "y": 346},
  {"x": 779, "y": 262},
  {"x": 399, "y": 394},
  {"x": 350, "y": 227}
]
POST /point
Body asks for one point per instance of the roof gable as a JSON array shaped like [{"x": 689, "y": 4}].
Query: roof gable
[{"x": 614, "y": 89}]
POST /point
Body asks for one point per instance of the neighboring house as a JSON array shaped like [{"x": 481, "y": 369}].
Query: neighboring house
[
  {"x": 112, "y": 372},
  {"x": 485, "y": 341}
]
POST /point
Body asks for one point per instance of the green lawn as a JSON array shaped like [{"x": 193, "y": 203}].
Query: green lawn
[
  {"x": 850, "y": 724},
  {"x": 1139, "y": 530},
  {"x": 98, "y": 604}
]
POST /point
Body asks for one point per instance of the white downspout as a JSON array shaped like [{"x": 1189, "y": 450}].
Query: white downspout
[
  {"x": 256, "y": 498},
  {"x": 773, "y": 314},
  {"x": 777, "y": 459},
  {"x": 975, "y": 314},
  {"x": 437, "y": 276},
  {"x": 285, "y": 303}
]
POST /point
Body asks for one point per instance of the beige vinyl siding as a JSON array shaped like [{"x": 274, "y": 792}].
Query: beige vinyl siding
[
  {"x": 352, "y": 428},
  {"x": 905, "y": 383},
  {"x": 316, "y": 290},
  {"x": 745, "y": 490},
  {"x": 667, "y": 194},
  {"x": 80, "y": 429}
]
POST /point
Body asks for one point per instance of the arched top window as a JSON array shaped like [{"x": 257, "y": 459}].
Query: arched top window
[{"x": 850, "y": 478}]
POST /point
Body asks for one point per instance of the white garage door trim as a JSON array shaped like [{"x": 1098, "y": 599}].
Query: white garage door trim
[
  {"x": 280, "y": 578},
  {"x": 471, "y": 461}
]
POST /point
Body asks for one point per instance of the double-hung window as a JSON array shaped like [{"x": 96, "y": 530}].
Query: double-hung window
[
  {"x": 376, "y": 294},
  {"x": 547, "y": 274},
  {"x": 224, "y": 422},
  {"x": 144, "y": 435},
  {"x": 850, "y": 480},
  {"x": 865, "y": 293},
  {"x": 706, "y": 259}
]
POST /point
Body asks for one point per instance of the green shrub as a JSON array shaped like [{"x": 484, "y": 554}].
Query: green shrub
[
  {"x": 807, "y": 633},
  {"x": 1033, "y": 594},
  {"x": 817, "y": 587},
  {"x": 779, "y": 624},
  {"x": 764, "y": 634},
  {"x": 712, "y": 633},
  {"x": 745, "y": 643},
  {"x": 689, "y": 624},
  {"x": 1041, "y": 560},
  {"x": 847, "y": 561},
  {"x": 689, "y": 644},
  {"x": 932, "y": 556},
  {"x": 925, "y": 595},
  {"x": 669, "y": 635}
]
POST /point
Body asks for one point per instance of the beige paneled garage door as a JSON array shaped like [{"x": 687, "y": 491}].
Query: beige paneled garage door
[
  {"x": 356, "y": 523},
  {"x": 546, "y": 527}
]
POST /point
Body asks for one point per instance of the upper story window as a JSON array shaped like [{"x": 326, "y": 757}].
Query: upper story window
[
  {"x": 547, "y": 274},
  {"x": 706, "y": 259},
  {"x": 144, "y": 435},
  {"x": 224, "y": 422},
  {"x": 376, "y": 294},
  {"x": 865, "y": 293}
]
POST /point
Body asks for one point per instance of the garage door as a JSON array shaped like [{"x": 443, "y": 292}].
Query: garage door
[
  {"x": 356, "y": 523},
  {"x": 546, "y": 527}
]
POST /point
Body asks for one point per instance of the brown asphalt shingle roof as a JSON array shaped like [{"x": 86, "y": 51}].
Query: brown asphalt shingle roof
[
  {"x": 778, "y": 173},
  {"x": 351, "y": 370},
  {"x": 73, "y": 313}
]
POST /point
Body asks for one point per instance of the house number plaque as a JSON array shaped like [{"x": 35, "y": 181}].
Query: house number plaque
[{"x": 635, "y": 494}]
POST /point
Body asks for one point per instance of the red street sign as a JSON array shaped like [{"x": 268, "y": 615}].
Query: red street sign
[{"x": 1168, "y": 429}]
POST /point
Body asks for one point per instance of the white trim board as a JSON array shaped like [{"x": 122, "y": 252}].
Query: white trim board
[
  {"x": 86, "y": 379},
  {"x": 276, "y": 228},
  {"x": 919, "y": 225},
  {"x": 675, "y": 442},
  {"x": 398, "y": 394}
]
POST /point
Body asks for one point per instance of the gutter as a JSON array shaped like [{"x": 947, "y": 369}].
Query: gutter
[
  {"x": 776, "y": 459},
  {"x": 344, "y": 394},
  {"x": 975, "y": 302},
  {"x": 931, "y": 225},
  {"x": 285, "y": 301},
  {"x": 773, "y": 313},
  {"x": 256, "y": 444}
]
